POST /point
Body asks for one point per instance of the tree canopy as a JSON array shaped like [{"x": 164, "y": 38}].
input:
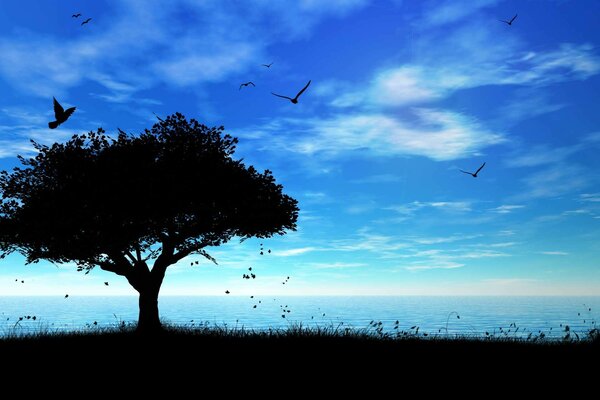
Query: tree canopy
[{"x": 166, "y": 193}]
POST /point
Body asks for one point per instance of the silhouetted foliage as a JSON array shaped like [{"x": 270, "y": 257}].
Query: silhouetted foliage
[{"x": 160, "y": 196}]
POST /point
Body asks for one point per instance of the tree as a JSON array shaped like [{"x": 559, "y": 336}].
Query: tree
[{"x": 127, "y": 203}]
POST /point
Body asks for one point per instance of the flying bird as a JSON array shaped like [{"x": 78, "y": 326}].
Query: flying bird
[
  {"x": 509, "y": 22},
  {"x": 227, "y": 292},
  {"x": 295, "y": 99},
  {"x": 246, "y": 84},
  {"x": 474, "y": 175},
  {"x": 106, "y": 283},
  {"x": 66, "y": 295},
  {"x": 267, "y": 65},
  {"x": 60, "y": 114},
  {"x": 76, "y": 15},
  {"x": 86, "y": 21}
]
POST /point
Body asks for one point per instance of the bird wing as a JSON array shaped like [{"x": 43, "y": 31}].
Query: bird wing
[
  {"x": 501, "y": 20},
  {"x": 58, "y": 109},
  {"x": 513, "y": 18},
  {"x": 68, "y": 112},
  {"x": 465, "y": 172},
  {"x": 251, "y": 83},
  {"x": 241, "y": 86},
  {"x": 482, "y": 165},
  {"x": 303, "y": 89},
  {"x": 284, "y": 97}
]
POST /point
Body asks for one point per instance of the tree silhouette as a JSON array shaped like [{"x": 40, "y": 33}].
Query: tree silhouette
[{"x": 127, "y": 203}]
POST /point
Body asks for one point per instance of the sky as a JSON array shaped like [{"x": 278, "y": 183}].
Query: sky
[{"x": 404, "y": 94}]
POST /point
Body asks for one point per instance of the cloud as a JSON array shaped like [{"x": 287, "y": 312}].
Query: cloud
[
  {"x": 434, "y": 78},
  {"x": 411, "y": 208},
  {"x": 451, "y": 11},
  {"x": 446, "y": 239},
  {"x": 555, "y": 181},
  {"x": 335, "y": 265},
  {"x": 215, "y": 40},
  {"x": 554, "y": 253},
  {"x": 294, "y": 252},
  {"x": 590, "y": 197},
  {"x": 507, "y": 208},
  {"x": 439, "y": 265},
  {"x": 439, "y": 135},
  {"x": 542, "y": 155}
]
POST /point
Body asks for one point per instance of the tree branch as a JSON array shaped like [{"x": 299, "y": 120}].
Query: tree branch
[
  {"x": 195, "y": 248},
  {"x": 138, "y": 252},
  {"x": 113, "y": 267},
  {"x": 131, "y": 257}
]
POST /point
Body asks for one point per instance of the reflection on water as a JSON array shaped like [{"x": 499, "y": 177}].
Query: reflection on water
[{"x": 430, "y": 314}]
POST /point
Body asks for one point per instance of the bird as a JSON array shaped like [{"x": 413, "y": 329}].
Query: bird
[
  {"x": 66, "y": 295},
  {"x": 295, "y": 99},
  {"x": 106, "y": 283},
  {"x": 227, "y": 292},
  {"x": 509, "y": 22},
  {"x": 60, "y": 114},
  {"x": 76, "y": 15},
  {"x": 474, "y": 175},
  {"x": 86, "y": 21},
  {"x": 246, "y": 84},
  {"x": 267, "y": 65}
]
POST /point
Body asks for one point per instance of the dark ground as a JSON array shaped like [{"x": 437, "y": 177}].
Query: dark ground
[{"x": 297, "y": 362}]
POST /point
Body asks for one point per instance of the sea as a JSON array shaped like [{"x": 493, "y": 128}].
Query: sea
[{"x": 422, "y": 315}]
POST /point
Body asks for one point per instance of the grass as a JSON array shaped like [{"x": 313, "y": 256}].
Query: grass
[{"x": 292, "y": 359}]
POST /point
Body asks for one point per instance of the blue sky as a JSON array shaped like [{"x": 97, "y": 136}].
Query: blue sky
[{"x": 403, "y": 95}]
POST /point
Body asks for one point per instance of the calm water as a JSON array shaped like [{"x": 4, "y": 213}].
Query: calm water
[{"x": 477, "y": 314}]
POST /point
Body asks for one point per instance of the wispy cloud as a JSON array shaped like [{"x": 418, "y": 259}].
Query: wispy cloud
[
  {"x": 590, "y": 197},
  {"x": 451, "y": 11},
  {"x": 335, "y": 265},
  {"x": 554, "y": 181},
  {"x": 436, "y": 134},
  {"x": 429, "y": 80},
  {"x": 225, "y": 39},
  {"x": 409, "y": 209},
  {"x": 554, "y": 253},
  {"x": 439, "y": 265},
  {"x": 506, "y": 208},
  {"x": 294, "y": 252}
]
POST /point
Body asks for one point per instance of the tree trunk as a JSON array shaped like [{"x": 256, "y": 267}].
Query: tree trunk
[{"x": 148, "y": 321}]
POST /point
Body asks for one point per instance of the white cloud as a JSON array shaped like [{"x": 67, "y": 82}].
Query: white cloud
[
  {"x": 220, "y": 39},
  {"x": 446, "y": 239},
  {"x": 439, "y": 265},
  {"x": 430, "y": 79},
  {"x": 554, "y": 253},
  {"x": 294, "y": 252},
  {"x": 507, "y": 208},
  {"x": 451, "y": 11},
  {"x": 411, "y": 208},
  {"x": 590, "y": 197},
  {"x": 335, "y": 265},
  {"x": 555, "y": 181},
  {"x": 542, "y": 155},
  {"x": 439, "y": 135}
]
